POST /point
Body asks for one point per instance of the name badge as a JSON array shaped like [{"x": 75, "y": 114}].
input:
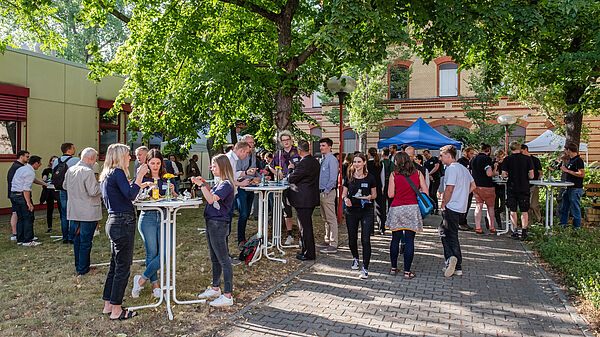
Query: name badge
[
  {"x": 295, "y": 160},
  {"x": 364, "y": 185},
  {"x": 164, "y": 187}
]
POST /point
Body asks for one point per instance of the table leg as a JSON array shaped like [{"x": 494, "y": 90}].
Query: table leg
[
  {"x": 174, "y": 244},
  {"x": 168, "y": 254},
  {"x": 277, "y": 222},
  {"x": 161, "y": 253},
  {"x": 548, "y": 201},
  {"x": 260, "y": 233},
  {"x": 265, "y": 206},
  {"x": 551, "y": 208}
]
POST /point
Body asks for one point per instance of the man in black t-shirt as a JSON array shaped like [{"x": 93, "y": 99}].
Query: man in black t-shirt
[
  {"x": 22, "y": 158},
  {"x": 433, "y": 165},
  {"x": 519, "y": 170},
  {"x": 464, "y": 160},
  {"x": 482, "y": 170},
  {"x": 572, "y": 195},
  {"x": 534, "y": 190}
]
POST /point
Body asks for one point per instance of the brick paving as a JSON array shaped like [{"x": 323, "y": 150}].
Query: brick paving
[{"x": 502, "y": 293}]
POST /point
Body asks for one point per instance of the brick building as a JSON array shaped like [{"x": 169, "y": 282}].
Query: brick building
[{"x": 433, "y": 93}]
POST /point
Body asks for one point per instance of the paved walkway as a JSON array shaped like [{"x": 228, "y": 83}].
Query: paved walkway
[{"x": 502, "y": 293}]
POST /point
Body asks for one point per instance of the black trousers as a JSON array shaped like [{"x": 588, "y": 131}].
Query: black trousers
[
  {"x": 306, "y": 232},
  {"x": 463, "y": 216},
  {"x": 120, "y": 228},
  {"x": 450, "y": 238},
  {"x": 364, "y": 217},
  {"x": 499, "y": 203},
  {"x": 381, "y": 211},
  {"x": 51, "y": 197},
  {"x": 434, "y": 185}
]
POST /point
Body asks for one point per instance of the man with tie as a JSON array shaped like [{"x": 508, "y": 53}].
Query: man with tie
[{"x": 304, "y": 196}]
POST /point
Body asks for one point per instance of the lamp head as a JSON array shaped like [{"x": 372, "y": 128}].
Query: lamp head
[
  {"x": 507, "y": 119},
  {"x": 342, "y": 84}
]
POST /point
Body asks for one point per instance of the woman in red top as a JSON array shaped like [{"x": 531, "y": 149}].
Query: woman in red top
[{"x": 404, "y": 217}]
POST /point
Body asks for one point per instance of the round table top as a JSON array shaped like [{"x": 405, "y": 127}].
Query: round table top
[
  {"x": 165, "y": 204},
  {"x": 269, "y": 187},
  {"x": 551, "y": 183}
]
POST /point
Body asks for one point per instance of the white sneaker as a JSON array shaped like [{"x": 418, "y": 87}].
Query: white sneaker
[
  {"x": 354, "y": 264},
  {"x": 210, "y": 294},
  {"x": 135, "y": 291},
  {"x": 157, "y": 292},
  {"x": 458, "y": 272},
  {"x": 34, "y": 238},
  {"x": 289, "y": 240},
  {"x": 31, "y": 244},
  {"x": 222, "y": 301},
  {"x": 13, "y": 238},
  {"x": 364, "y": 273},
  {"x": 96, "y": 232},
  {"x": 451, "y": 266}
]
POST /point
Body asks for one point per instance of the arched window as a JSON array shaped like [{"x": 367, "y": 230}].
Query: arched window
[
  {"x": 519, "y": 134},
  {"x": 391, "y": 131},
  {"x": 399, "y": 78},
  {"x": 442, "y": 129},
  {"x": 448, "y": 79},
  {"x": 350, "y": 141},
  {"x": 316, "y": 151}
]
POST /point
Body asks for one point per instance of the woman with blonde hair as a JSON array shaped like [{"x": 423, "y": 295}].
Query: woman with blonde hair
[
  {"x": 118, "y": 194},
  {"x": 219, "y": 201}
]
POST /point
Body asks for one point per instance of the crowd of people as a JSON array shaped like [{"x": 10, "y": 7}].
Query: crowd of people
[{"x": 382, "y": 188}]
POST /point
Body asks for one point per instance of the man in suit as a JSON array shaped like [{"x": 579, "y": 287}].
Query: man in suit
[{"x": 304, "y": 196}]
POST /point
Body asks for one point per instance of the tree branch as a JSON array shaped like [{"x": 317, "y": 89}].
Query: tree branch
[
  {"x": 306, "y": 54},
  {"x": 116, "y": 13},
  {"x": 254, "y": 8}
]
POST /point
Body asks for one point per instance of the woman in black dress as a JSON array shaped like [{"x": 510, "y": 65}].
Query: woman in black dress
[{"x": 49, "y": 195}]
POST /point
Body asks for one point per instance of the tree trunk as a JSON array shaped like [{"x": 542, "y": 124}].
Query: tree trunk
[
  {"x": 573, "y": 117},
  {"x": 363, "y": 142},
  {"x": 233, "y": 134},
  {"x": 212, "y": 149},
  {"x": 284, "y": 110}
]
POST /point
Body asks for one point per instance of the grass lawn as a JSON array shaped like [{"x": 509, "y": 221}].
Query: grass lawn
[{"x": 41, "y": 295}]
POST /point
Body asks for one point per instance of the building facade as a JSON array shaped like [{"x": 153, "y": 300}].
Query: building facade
[{"x": 433, "y": 93}]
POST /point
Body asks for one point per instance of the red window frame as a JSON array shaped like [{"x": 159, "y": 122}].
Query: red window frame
[
  {"x": 399, "y": 64},
  {"x": 103, "y": 107},
  {"x": 146, "y": 143},
  {"x": 13, "y": 107}
]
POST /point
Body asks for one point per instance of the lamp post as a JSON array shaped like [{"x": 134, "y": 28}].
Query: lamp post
[
  {"x": 506, "y": 120},
  {"x": 341, "y": 86}
]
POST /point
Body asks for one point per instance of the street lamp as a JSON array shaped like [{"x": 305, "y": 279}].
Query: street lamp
[
  {"x": 506, "y": 120},
  {"x": 341, "y": 86}
]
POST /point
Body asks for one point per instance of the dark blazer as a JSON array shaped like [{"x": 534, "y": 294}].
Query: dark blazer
[{"x": 304, "y": 183}]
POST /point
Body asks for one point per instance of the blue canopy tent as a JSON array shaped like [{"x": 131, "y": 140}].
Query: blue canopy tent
[{"x": 419, "y": 135}]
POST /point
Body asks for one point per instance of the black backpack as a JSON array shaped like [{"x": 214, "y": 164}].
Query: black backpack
[
  {"x": 249, "y": 248},
  {"x": 58, "y": 173}
]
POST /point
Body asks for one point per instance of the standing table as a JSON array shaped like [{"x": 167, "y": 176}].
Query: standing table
[
  {"x": 509, "y": 225},
  {"x": 550, "y": 185},
  {"x": 263, "y": 192},
  {"x": 168, "y": 229}
]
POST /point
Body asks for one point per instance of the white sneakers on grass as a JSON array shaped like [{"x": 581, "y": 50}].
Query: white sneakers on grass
[
  {"x": 289, "y": 240},
  {"x": 218, "y": 299},
  {"x": 31, "y": 244},
  {"x": 157, "y": 292},
  {"x": 135, "y": 291}
]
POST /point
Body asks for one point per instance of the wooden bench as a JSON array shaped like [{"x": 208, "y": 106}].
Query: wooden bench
[{"x": 592, "y": 214}]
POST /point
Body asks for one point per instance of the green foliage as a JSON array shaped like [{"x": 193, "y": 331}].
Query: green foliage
[
  {"x": 543, "y": 52},
  {"x": 575, "y": 254},
  {"x": 479, "y": 110}
]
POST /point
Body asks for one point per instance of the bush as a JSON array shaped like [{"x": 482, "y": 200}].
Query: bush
[{"x": 575, "y": 254}]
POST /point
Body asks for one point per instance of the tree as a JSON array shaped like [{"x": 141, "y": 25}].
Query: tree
[
  {"x": 25, "y": 19},
  {"x": 546, "y": 51},
  {"x": 479, "y": 110},
  {"x": 226, "y": 61}
]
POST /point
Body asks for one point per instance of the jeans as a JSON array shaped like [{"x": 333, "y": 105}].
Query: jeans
[
  {"x": 120, "y": 229},
  {"x": 365, "y": 217},
  {"x": 149, "y": 228},
  {"x": 216, "y": 238},
  {"x": 62, "y": 197},
  {"x": 244, "y": 202},
  {"x": 409, "y": 248},
  {"x": 450, "y": 240},
  {"x": 571, "y": 203},
  {"x": 82, "y": 244},
  {"x": 25, "y": 218}
]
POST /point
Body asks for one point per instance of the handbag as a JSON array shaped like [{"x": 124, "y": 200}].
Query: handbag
[{"x": 425, "y": 203}]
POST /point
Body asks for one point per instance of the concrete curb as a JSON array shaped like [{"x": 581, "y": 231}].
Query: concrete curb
[{"x": 581, "y": 323}]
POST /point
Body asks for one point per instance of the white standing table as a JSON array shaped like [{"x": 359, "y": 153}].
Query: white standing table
[
  {"x": 168, "y": 229},
  {"x": 509, "y": 225},
  {"x": 550, "y": 185},
  {"x": 263, "y": 220}
]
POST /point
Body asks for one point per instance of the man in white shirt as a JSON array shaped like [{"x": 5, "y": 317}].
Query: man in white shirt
[
  {"x": 459, "y": 184},
  {"x": 20, "y": 195}
]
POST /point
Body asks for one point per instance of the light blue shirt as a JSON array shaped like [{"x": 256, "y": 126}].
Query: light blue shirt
[
  {"x": 70, "y": 163},
  {"x": 329, "y": 173},
  {"x": 23, "y": 179}
]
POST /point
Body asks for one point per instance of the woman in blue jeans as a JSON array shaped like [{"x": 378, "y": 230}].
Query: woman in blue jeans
[
  {"x": 118, "y": 194},
  {"x": 149, "y": 226},
  {"x": 219, "y": 201}
]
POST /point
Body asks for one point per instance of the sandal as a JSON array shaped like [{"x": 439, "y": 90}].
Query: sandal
[
  {"x": 478, "y": 231},
  {"x": 408, "y": 275},
  {"x": 492, "y": 230},
  {"x": 394, "y": 271},
  {"x": 125, "y": 314}
]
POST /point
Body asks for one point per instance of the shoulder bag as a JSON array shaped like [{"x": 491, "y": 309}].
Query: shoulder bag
[{"x": 425, "y": 203}]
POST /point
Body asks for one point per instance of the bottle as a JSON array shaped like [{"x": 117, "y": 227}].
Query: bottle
[{"x": 155, "y": 191}]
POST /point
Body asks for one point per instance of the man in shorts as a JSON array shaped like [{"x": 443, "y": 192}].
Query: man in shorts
[
  {"x": 482, "y": 170},
  {"x": 519, "y": 170}
]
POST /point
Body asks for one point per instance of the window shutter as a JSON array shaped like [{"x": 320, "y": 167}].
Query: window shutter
[{"x": 13, "y": 108}]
